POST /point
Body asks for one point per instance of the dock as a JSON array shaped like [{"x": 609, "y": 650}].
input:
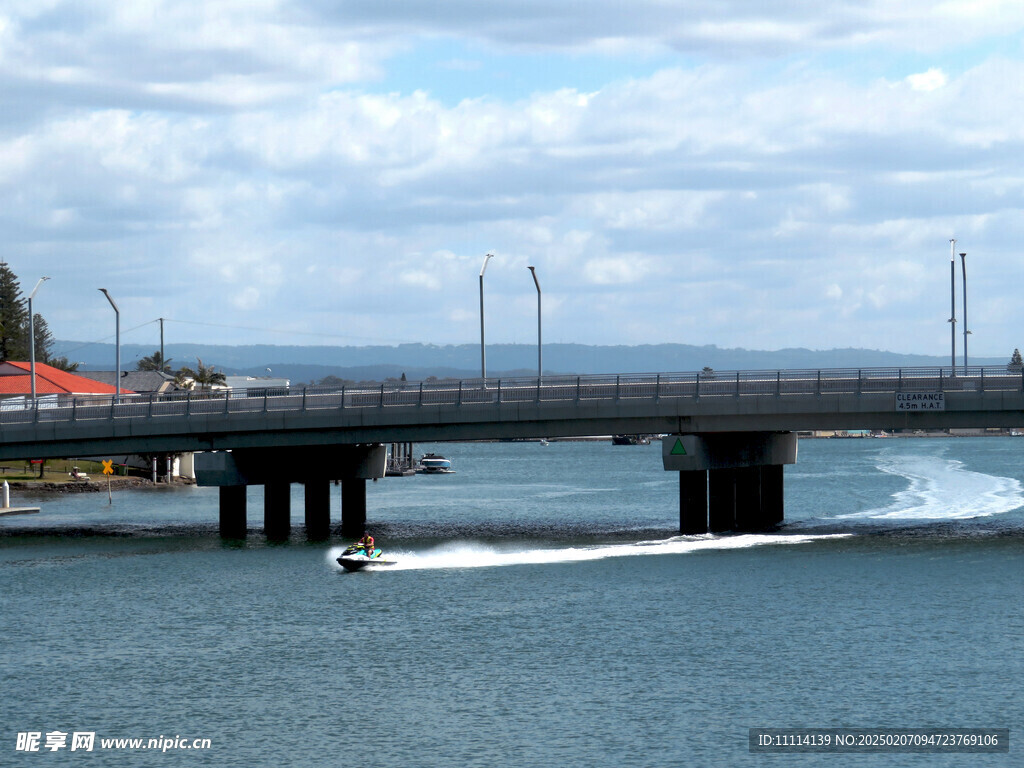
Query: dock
[
  {"x": 5, "y": 511},
  {"x": 5, "y": 503}
]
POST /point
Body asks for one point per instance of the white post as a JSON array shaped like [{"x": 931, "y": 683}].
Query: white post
[
  {"x": 483, "y": 354},
  {"x": 952, "y": 305},
  {"x": 117, "y": 343},
  {"x": 540, "y": 359},
  {"x": 32, "y": 338},
  {"x": 963, "y": 263},
  {"x": 7, "y": 495}
]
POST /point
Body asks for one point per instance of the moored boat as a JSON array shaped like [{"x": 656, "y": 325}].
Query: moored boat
[
  {"x": 434, "y": 464},
  {"x": 631, "y": 440}
]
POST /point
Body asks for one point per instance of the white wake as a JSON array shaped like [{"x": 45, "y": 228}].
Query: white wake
[
  {"x": 470, "y": 555},
  {"x": 941, "y": 489}
]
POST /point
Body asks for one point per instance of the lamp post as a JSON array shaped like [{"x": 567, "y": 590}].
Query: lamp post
[
  {"x": 483, "y": 355},
  {"x": 963, "y": 263},
  {"x": 952, "y": 305},
  {"x": 32, "y": 339},
  {"x": 117, "y": 343},
  {"x": 540, "y": 365}
]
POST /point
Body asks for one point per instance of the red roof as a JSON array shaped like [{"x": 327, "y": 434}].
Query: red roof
[{"x": 15, "y": 379}]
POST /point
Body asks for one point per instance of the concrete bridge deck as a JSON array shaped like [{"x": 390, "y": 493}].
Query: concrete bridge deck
[
  {"x": 734, "y": 401},
  {"x": 734, "y": 430}
]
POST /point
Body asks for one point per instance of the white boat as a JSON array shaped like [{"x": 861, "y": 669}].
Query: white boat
[{"x": 434, "y": 464}]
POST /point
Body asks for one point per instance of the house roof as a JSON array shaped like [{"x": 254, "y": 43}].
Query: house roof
[
  {"x": 139, "y": 381},
  {"x": 15, "y": 379}
]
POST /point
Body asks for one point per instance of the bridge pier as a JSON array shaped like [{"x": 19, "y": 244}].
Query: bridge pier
[
  {"x": 729, "y": 481},
  {"x": 318, "y": 510},
  {"x": 314, "y": 466},
  {"x": 232, "y": 511},
  {"x": 721, "y": 500},
  {"x": 693, "y": 502},
  {"x": 277, "y": 510},
  {"x": 353, "y": 508},
  {"x": 749, "y": 493},
  {"x": 772, "y": 495}
]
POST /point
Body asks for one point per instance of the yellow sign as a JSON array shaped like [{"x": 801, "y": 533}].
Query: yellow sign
[{"x": 108, "y": 467}]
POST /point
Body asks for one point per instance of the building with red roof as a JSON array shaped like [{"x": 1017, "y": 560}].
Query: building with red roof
[{"x": 51, "y": 383}]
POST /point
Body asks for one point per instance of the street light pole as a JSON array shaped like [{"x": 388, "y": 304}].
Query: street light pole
[
  {"x": 483, "y": 354},
  {"x": 32, "y": 339},
  {"x": 963, "y": 263},
  {"x": 540, "y": 366},
  {"x": 952, "y": 304},
  {"x": 117, "y": 343}
]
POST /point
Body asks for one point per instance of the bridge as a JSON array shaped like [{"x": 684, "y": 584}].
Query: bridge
[{"x": 737, "y": 427}]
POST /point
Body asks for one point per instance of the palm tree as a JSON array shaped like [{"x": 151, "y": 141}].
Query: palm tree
[
  {"x": 206, "y": 376},
  {"x": 154, "y": 362}
]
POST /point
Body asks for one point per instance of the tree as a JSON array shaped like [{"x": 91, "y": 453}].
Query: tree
[
  {"x": 62, "y": 364},
  {"x": 154, "y": 362},
  {"x": 206, "y": 376},
  {"x": 1016, "y": 362},
  {"x": 44, "y": 339},
  {"x": 13, "y": 317},
  {"x": 333, "y": 381}
]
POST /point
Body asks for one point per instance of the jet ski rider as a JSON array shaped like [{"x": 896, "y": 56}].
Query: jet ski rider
[{"x": 367, "y": 544}]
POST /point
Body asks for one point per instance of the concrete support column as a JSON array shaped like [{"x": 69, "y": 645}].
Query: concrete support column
[
  {"x": 721, "y": 500},
  {"x": 318, "y": 510},
  {"x": 693, "y": 502},
  {"x": 353, "y": 508},
  {"x": 772, "y": 504},
  {"x": 352, "y": 464},
  {"x": 277, "y": 510},
  {"x": 749, "y": 516},
  {"x": 744, "y": 476},
  {"x": 232, "y": 511}
]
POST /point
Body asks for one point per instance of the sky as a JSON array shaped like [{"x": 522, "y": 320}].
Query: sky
[{"x": 727, "y": 172}]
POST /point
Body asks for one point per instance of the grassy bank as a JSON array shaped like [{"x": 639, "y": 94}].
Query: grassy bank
[{"x": 59, "y": 471}]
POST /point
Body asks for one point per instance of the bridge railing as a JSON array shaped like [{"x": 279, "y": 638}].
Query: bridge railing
[{"x": 610, "y": 387}]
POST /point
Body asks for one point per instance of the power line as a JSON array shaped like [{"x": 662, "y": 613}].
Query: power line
[
  {"x": 106, "y": 338},
  {"x": 239, "y": 328},
  {"x": 285, "y": 331}
]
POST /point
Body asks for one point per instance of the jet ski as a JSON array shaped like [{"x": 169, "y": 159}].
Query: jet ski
[{"x": 357, "y": 556}]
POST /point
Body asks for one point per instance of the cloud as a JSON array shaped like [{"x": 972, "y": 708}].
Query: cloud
[
  {"x": 931, "y": 80},
  {"x": 242, "y": 162},
  {"x": 718, "y": 28},
  {"x": 615, "y": 271},
  {"x": 419, "y": 279}
]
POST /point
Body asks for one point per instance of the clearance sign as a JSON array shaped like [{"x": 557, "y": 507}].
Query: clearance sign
[{"x": 920, "y": 401}]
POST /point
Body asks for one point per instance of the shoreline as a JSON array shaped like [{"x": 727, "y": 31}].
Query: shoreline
[
  {"x": 121, "y": 483},
  {"x": 93, "y": 486}
]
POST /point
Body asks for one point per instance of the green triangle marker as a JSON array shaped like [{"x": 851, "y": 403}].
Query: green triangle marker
[{"x": 677, "y": 449}]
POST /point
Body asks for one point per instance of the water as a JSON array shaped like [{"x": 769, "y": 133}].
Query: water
[{"x": 544, "y": 611}]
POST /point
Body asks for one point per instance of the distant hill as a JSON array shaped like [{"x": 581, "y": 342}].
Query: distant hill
[{"x": 418, "y": 361}]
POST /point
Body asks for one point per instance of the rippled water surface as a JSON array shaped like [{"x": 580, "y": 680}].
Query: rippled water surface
[{"x": 542, "y": 611}]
